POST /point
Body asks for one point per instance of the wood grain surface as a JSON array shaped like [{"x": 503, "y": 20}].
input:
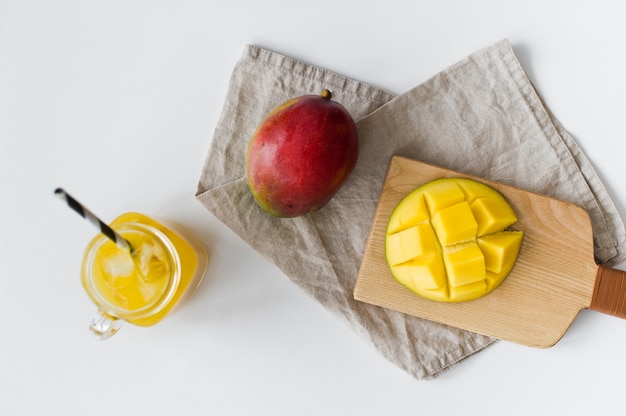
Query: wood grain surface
[{"x": 552, "y": 280}]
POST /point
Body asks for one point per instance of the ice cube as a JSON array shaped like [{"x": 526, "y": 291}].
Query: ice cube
[
  {"x": 118, "y": 264},
  {"x": 152, "y": 262},
  {"x": 150, "y": 292}
]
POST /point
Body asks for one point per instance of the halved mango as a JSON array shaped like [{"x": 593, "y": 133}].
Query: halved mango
[{"x": 448, "y": 240}]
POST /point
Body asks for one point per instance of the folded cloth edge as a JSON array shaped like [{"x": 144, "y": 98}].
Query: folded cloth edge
[{"x": 610, "y": 247}]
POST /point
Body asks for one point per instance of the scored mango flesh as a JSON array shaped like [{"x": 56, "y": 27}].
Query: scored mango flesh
[{"x": 448, "y": 240}]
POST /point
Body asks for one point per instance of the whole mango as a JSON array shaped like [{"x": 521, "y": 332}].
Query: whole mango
[{"x": 301, "y": 154}]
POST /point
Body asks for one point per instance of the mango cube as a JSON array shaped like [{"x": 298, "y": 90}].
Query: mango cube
[
  {"x": 454, "y": 224},
  {"x": 492, "y": 214},
  {"x": 411, "y": 243},
  {"x": 424, "y": 273},
  {"x": 467, "y": 292},
  {"x": 474, "y": 190},
  {"x": 442, "y": 194},
  {"x": 464, "y": 265},
  {"x": 500, "y": 250},
  {"x": 428, "y": 273},
  {"x": 411, "y": 211}
]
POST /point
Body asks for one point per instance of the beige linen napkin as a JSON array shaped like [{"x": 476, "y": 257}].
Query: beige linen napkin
[{"x": 481, "y": 116}]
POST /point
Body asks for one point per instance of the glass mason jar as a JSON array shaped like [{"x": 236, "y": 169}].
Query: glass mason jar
[{"x": 142, "y": 286}]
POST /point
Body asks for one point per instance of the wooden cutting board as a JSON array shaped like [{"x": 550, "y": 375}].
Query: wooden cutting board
[{"x": 555, "y": 275}]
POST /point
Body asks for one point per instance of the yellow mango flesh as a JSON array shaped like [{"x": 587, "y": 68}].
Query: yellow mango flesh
[{"x": 448, "y": 240}]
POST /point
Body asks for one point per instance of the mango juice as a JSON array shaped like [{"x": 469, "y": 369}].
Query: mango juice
[{"x": 143, "y": 285}]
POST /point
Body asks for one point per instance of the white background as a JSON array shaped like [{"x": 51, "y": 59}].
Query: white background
[{"x": 117, "y": 100}]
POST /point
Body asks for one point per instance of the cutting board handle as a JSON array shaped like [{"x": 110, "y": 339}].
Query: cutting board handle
[{"x": 609, "y": 293}]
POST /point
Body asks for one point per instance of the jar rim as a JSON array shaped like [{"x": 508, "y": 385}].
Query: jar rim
[{"x": 152, "y": 308}]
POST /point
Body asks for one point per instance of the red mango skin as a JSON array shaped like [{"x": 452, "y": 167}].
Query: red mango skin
[{"x": 301, "y": 154}]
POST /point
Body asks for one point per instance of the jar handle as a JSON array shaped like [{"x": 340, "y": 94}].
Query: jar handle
[{"x": 105, "y": 326}]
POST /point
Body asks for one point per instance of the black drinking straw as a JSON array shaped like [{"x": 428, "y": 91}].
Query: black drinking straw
[{"x": 89, "y": 216}]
